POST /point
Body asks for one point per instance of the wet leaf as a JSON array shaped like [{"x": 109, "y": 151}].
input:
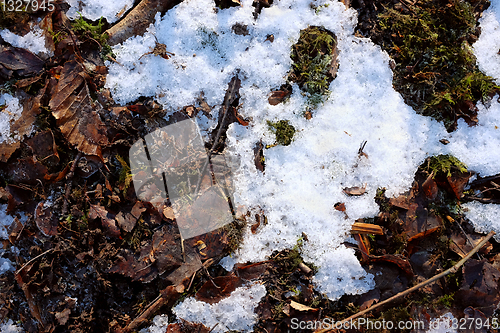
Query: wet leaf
[
  {"x": 430, "y": 187},
  {"x": 218, "y": 288},
  {"x": 126, "y": 221},
  {"x": 278, "y": 96},
  {"x": 46, "y": 220},
  {"x": 458, "y": 181},
  {"x": 109, "y": 224},
  {"x": 480, "y": 286},
  {"x": 44, "y": 147},
  {"x": 72, "y": 107},
  {"x": 19, "y": 61},
  {"x": 27, "y": 171}
]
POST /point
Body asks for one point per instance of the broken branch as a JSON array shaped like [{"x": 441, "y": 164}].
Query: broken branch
[{"x": 451, "y": 270}]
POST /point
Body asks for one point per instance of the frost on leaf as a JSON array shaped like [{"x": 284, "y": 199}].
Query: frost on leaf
[{"x": 71, "y": 106}]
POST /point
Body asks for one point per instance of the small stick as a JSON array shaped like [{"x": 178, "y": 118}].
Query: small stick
[
  {"x": 451, "y": 270},
  {"x": 69, "y": 177},
  {"x": 35, "y": 258}
]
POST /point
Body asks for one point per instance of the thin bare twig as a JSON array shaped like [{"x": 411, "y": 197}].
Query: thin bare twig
[
  {"x": 33, "y": 259},
  {"x": 451, "y": 270}
]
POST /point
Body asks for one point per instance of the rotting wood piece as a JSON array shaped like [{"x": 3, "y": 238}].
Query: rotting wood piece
[{"x": 138, "y": 20}]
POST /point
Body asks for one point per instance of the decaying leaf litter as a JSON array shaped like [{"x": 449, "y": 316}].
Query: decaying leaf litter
[{"x": 90, "y": 257}]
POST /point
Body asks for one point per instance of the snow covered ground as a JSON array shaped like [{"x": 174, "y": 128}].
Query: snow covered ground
[{"x": 304, "y": 180}]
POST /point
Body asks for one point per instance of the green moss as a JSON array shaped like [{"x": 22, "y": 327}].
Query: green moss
[
  {"x": 283, "y": 130},
  {"x": 436, "y": 70},
  {"x": 446, "y": 300},
  {"x": 93, "y": 32},
  {"x": 312, "y": 59},
  {"x": 443, "y": 165},
  {"x": 125, "y": 174}
]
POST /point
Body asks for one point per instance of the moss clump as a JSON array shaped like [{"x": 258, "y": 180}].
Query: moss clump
[
  {"x": 283, "y": 130},
  {"x": 443, "y": 165},
  {"x": 312, "y": 67},
  {"x": 436, "y": 70},
  {"x": 94, "y": 32}
]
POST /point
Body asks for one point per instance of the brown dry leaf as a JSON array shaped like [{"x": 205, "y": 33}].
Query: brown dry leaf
[
  {"x": 126, "y": 221},
  {"x": 355, "y": 190},
  {"x": 27, "y": 171},
  {"x": 109, "y": 224},
  {"x": 63, "y": 316},
  {"x": 218, "y": 288},
  {"x": 480, "y": 286},
  {"x": 430, "y": 188},
  {"x": 71, "y": 106},
  {"x": 301, "y": 307},
  {"x": 458, "y": 181},
  {"x": 401, "y": 261},
  {"x": 278, "y": 96},
  {"x": 19, "y": 61},
  {"x": 187, "y": 327},
  {"x": 46, "y": 221},
  {"x": 420, "y": 224},
  {"x": 44, "y": 147},
  {"x": 168, "y": 212}
]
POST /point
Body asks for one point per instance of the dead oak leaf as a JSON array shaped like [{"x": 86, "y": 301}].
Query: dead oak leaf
[{"x": 71, "y": 106}]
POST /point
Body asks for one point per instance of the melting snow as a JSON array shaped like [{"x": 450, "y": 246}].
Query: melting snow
[
  {"x": 235, "y": 312},
  {"x": 95, "y": 9},
  {"x": 33, "y": 41},
  {"x": 303, "y": 181},
  {"x": 9, "y": 114}
]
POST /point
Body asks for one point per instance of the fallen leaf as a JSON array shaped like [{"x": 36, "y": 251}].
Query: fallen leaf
[
  {"x": 23, "y": 125},
  {"x": 46, "y": 221},
  {"x": 458, "y": 181},
  {"x": 63, "y": 316},
  {"x": 109, "y": 224},
  {"x": 44, "y": 147},
  {"x": 19, "y": 61},
  {"x": 26, "y": 171},
  {"x": 216, "y": 289},
  {"x": 480, "y": 286},
  {"x": 301, "y": 307},
  {"x": 71, "y": 106},
  {"x": 126, "y": 221},
  {"x": 430, "y": 187},
  {"x": 168, "y": 212},
  {"x": 354, "y": 191},
  {"x": 278, "y": 96}
]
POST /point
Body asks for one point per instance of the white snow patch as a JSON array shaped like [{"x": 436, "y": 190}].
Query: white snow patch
[
  {"x": 9, "y": 114},
  {"x": 487, "y": 46},
  {"x": 304, "y": 180},
  {"x": 95, "y": 9},
  {"x": 484, "y": 217},
  {"x": 5, "y": 223},
  {"x": 160, "y": 324},
  {"x": 9, "y": 327},
  {"x": 33, "y": 41},
  {"x": 235, "y": 312},
  {"x": 442, "y": 324}
]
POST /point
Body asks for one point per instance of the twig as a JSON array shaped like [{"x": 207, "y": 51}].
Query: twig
[
  {"x": 69, "y": 177},
  {"x": 451, "y": 270},
  {"x": 228, "y": 99},
  {"x": 33, "y": 259}
]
